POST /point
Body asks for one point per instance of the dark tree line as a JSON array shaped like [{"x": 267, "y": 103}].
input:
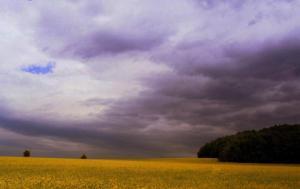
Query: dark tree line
[{"x": 277, "y": 144}]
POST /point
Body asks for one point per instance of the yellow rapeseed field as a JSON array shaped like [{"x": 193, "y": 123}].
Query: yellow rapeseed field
[{"x": 39, "y": 173}]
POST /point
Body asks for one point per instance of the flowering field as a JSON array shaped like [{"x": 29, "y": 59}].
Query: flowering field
[{"x": 161, "y": 173}]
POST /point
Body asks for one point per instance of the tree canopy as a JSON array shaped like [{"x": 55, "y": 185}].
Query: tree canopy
[
  {"x": 26, "y": 153},
  {"x": 83, "y": 156},
  {"x": 277, "y": 144}
]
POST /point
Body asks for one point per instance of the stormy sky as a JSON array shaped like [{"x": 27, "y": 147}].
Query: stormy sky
[{"x": 144, "y": 77}]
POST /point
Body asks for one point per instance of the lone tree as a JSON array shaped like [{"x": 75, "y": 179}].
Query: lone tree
[
  {"x": 83, "y": 156},
  {"x": 26, "y": 153}
]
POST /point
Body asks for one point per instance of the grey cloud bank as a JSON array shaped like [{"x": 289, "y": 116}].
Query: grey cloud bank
[{"x": 145, "y": 78}]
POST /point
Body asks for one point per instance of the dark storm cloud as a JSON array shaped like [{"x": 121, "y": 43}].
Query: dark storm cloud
[
  {"x": 121, "y": 134},
  {"x": 214, "y": 89},
  {"x": 252, "y": 89},
  {"x": 97, "y": 102},
  {"x": 106, "y": 42},
  {"x": 191, "y": 105},
  {"x": 243, "y": 80},
  {"x": 271, "y": 61},
  {"x": 78, "y": 34},
  {"x": 229, "y": 71},
  {"x": 208, "y": 4},
  {"x": 122, "y": 143}
]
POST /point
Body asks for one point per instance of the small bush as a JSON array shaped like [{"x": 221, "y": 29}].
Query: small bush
[
  {"x": 83, "y": 156},
  {"x": 26, "y": 153}
]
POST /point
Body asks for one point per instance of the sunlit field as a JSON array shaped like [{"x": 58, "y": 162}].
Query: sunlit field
[{"x": 144, "y": 173}]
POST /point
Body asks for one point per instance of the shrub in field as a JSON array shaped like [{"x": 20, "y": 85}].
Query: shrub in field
[
  {"x": 83, "y": 156},
  {"x": 26, "y": 153},
  {"x": 275, "y": 144}
]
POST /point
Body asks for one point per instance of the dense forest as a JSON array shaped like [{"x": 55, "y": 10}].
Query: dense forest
[{"x": 277, "y": 144}]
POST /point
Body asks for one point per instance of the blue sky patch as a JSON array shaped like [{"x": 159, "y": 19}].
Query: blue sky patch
[{"x": 40, "y": 69}]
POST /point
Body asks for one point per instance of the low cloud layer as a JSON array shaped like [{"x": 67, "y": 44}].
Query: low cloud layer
[{"x": 146, "y": 78}]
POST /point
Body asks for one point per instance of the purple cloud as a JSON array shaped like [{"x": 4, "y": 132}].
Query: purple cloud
[{"x": 220, "y": 67}]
